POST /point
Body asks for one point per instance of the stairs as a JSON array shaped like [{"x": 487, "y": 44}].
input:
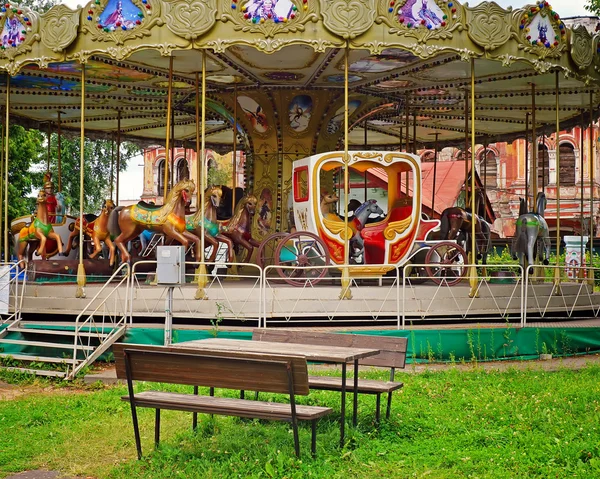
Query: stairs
[{"x": 48, "y": 348}]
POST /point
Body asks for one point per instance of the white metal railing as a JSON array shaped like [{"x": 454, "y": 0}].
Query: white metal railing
[
  {"x": 219, "y": 302},
  {"x": 327, "y": 297},
  {"x": 437, "y": 299},
  {"x": 543, "y": 296},
  {"x": 103, "y": 318},
  {"x": 12, "y": 287}
]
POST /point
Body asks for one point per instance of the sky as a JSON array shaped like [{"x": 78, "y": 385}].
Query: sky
[{"x": 131, "y": 182}]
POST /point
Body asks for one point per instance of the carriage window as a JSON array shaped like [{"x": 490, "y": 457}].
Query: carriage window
[{"x": 301, "y": 184}]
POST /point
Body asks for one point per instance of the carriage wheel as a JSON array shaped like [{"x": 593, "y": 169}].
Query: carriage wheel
[
  {"x": 265, "y": 255},
  {"x": 446, "y": 263},
  {"x": 301, "y": 249}
]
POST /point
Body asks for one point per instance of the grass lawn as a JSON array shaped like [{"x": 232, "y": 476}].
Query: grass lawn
[{"x": 448, "y": 424}]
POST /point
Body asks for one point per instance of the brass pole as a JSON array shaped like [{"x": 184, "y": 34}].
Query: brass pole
[
  {"x": 172, "y": 166},
  {"x": 465, "y": 154},
  {"x": 527, "y": 155},
  {"x": 435, "y": 157},
  {"x": 6, "y": 141},
  {"x": 400, "y": 139},
  {"x": 366, "y": 172},
  {"x": 414, "y": 150},
  {"x": 2, "y": 182},
  {"x": 556, "y": 270},
  {"x": 591, "y": 163},
  {"x": 581, "y": 250},
  {"x": 234, "y": 157},
  {"x": 49, "y": 146},
  {"x": 407, "y": 114},
  {"x": 118, "y": 160},
  {"x": 473, "y": 278},
  {"x": 81, "y": 279},
  {"x": 59, "y": 153},
  {"x": 198, "y": 151},
  {"x": 201, "y": 278},
  {"x": 534, "y": 152},
  {"x": 346, "y": 293},
  {"x": 168, "y": 139},
  {"x": 112, "y": 165}
]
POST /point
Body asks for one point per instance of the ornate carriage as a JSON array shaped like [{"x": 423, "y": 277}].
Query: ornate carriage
[{"x": 399, "y": 236}]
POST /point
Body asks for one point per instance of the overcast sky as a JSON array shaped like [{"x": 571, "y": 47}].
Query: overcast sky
[{"x": 131, "y": 182}]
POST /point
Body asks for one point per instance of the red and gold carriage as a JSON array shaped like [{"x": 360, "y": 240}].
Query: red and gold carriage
[{"x": 400, "y": 235}]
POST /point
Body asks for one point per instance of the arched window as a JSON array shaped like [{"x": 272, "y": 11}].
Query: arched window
[
  {"x": 161, "y": 178},
  {"x": 567, "y": 164},
  {"x": 543, "y": 162},
  {"x": 183, "y": 170},
  {"x": 488, "y": 169}
]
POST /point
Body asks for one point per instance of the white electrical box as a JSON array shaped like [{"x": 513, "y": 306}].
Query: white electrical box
[{"x": 170, "y": 267}]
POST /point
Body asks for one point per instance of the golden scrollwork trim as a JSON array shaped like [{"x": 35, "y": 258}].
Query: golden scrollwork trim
[
  {"x": 60, "y": 28},
  {"x": 305, "y": 13},
  {"x": 338, "y": 227},
  {"x": 453, "y": 20},
  {"x": 396, "y": 228},
  {"x": 581, "y": 47},
  {"x": 190, "y": 19},
  {"x": 30, "y": 21},
  {"x": 348, "y": 18},
  {"x": 152, "y": 17},
  {"x": 488, "y": 25}
]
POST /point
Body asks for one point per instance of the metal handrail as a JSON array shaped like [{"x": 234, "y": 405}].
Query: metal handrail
[
  {"x": 124, "y": 271},
  {"x": 20, "y": 267}
]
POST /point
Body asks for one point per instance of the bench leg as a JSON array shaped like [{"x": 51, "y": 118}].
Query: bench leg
[
  {"x": 296, "y": 437},
  {"x": 136, "y": 430},
  {"x": 355, "y": 405},
  {"x": 389, "y": 405},
  {"x": 242, "y": 394},
  {"x": 313, "y": 441},
  {"x": 343, "y": 407},
  {"x": 157, "y": 428},
  {"x": 378, "y": 408},
  {"x": 195, "y": 415}
]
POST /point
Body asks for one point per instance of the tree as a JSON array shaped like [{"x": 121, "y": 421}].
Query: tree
[
  {"x": 99, "y": 158},
  {"x": 593, "y": 6},
  {"x": 25, "y": 148}
]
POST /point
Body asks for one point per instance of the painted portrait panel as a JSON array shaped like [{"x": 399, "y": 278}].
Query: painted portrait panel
[{"x": 300, "y": 112}]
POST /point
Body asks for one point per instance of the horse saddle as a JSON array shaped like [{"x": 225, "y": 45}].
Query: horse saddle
[{"x": 148, "y": 206}]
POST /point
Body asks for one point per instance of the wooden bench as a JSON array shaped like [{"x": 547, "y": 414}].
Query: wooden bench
[
  {"x": 392, "y": 355},
  {"x": 215, "y": 369}
]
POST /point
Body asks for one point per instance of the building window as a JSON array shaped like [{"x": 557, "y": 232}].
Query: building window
[
  {"x": 161, "y": 177},
  {"x": 567, "y": 164},
  {"x": 182, "y": 169},
  {"x": 488, "y": 169},
  {"x": 543, "y": 162}
]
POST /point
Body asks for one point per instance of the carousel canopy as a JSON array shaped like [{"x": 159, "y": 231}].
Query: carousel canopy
[{"x": 278, "y": 68}]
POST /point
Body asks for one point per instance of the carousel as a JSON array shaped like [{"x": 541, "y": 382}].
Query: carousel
[{"x": 314, "y": 94}]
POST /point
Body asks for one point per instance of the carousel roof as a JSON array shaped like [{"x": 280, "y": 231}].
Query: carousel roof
[{"x": 278, "y": 67}]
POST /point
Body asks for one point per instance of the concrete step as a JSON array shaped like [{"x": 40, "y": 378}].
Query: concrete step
[
  {"x": 38, "y": 372},
  {"x": 57, "y": 332},
  {"x": 39, "y": 359},
  {"x": 43, "y": 344}
]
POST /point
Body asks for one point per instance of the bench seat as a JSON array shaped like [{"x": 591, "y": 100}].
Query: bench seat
[
  {"x": 365, "y": 386},
  {"x": 226, "y": 406}
]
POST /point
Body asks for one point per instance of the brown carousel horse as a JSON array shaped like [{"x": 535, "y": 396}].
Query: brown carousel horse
[
  {"x": 127, "y": 222},
  {"x": 97, "y": 230},
  {"x": 239, "y": 226},
  {"x": 457, "y": 223},
  {"x": 208, "y": 215},
  {"x": 38, "y": 232}
]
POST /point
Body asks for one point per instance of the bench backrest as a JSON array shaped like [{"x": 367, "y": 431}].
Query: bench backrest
[
  {"x": 219, "y": 369},
  {"x": 393, "y": 349}
]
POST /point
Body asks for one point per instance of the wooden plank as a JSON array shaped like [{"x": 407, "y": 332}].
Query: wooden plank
[
  {"x": 41, "y": 359},
  {"x": 44, "y": 344},
  {"x": 220, "y": 369},
  {"x": 392, "y": 349},
  {"x": 368, "y": 386},
  {"x": 226, "y": 406},
  {"x": 312, "y": 352}
]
